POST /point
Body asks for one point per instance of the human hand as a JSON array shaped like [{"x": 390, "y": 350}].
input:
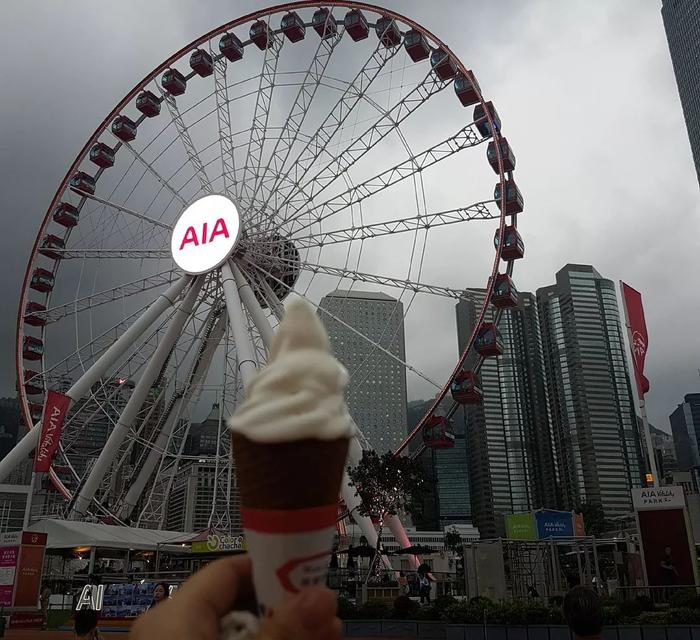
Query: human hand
[{"x": 196, "y": 608}]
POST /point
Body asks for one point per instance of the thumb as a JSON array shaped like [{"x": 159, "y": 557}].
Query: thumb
[{"x": 309, "y": 615}]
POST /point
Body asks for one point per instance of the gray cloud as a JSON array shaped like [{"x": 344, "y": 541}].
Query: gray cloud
[{"x": 588, "y": 101}]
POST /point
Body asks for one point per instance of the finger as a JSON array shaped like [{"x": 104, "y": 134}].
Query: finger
[
  {"x": 309, "y": 615},
  {"x": 217, "y": 586}
]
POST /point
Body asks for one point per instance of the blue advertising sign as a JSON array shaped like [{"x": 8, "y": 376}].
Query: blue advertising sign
[{"x": 554, "y": 524}]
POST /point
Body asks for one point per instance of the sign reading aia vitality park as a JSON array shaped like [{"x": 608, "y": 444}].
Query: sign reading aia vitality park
[{"x": 205, "y": 234}]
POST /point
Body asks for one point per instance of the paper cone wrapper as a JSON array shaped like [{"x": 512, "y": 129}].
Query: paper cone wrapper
[{"x": 289, "y": 495}]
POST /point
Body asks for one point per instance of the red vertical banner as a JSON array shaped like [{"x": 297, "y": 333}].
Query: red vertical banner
[
  {"x": 639, "y": 340},
  {"x": 55, "y": 409},
  {"x": 30, "y": 566}
]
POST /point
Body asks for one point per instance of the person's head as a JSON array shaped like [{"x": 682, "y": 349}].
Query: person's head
[
  {"x": 160, "y": 592},
  {"x": 667, "y": 551},
  {"x": 85, "y": 623},
  {"x": 583, "y": 612}
]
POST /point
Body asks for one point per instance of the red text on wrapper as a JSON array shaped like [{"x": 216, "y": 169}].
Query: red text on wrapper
[{"x": 298, "y": 573}]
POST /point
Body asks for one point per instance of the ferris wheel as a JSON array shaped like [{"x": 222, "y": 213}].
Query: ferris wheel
[{"x": 292, "y": 152}]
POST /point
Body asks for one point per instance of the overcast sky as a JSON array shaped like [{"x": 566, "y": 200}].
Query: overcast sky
[{"x": 585, "y": 90}]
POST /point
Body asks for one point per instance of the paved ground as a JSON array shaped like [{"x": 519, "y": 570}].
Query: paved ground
[{"x": 54, "y": 635}]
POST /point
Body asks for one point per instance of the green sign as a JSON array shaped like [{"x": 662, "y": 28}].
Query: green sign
[
  {"x": 217, "y": 542},
  {"x": 521, "y": 526}
]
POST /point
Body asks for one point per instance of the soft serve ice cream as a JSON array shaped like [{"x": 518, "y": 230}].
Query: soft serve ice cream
[
  {"x": 300, "y": 393},
  {"x": 290, "y": 439}
]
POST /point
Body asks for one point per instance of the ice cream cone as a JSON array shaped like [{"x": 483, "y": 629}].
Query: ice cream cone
[
  {"x": 289, "y": 475},
  {"x": 290, "y": 440}
]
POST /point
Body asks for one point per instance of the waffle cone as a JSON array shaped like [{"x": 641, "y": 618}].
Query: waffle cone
[{"x": 289, "y": 475}]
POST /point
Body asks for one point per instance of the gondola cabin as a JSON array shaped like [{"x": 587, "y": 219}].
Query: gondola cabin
[
  {"x": 443, "y": 64},
  {"x": 481, "y": 122},
  {"x": 102, "y": 155},
  {"x": 514, "y": 199},
  {"x": 261, "y": 35},
  {"x": 33, "y": 382},
  {"x": 293, "y": 27},
  {"x": 324, "y": 23},
  {"x": 83, "y": 182},
  {"x": 32, "y": 348},
  {"x": 513, "y": 245},
  {"x": 34, "y": 314},
  {"x": 231, "y": 47},
  {"x": 52, "y": 247},
  {"x": 42, "y": 280},
  {"x": 488, "y": 341},
  {"x": 173, "y": 82},
  {"x": 66, "y": 214},
  {"x": 388, "y": 31},
  {"x": 356, "y": 25},
  {"x": 504, "y": 294},
  {"x": 438, "y": 434},
  {"x": 124, "y": 128},
  {"x": 465, "y": 388},
  {"x": 202, "y": 63},
  {"x": 506, "y": 154},
  {"x": 148, "y": 104},
  {"x": 467, "y": 89},
  {"x": 36, "y": 411},
  {"x": 416, "y": 45}
]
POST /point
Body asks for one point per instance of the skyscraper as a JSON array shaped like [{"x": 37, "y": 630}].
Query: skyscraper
[
  {"x": 685, "y": 426},
  {"x": 590, "y": 396},
  {"x": 377, "y": 393},
  {"x": 682, "y": 23},
  {"x": 507, "y": 439}
]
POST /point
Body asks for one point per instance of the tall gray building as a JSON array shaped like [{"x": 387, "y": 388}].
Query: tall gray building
[
  {"x": 682, "y": 23},
  {"x": 685, "y": 426},
  {"x": 590, "y": 396},
  {"x": 507, "y": 438},
  {"x": 377, "y": 393}
]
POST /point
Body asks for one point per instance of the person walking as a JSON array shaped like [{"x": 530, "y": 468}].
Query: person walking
[
  {"x": 583, "y": 612},
  {"x": 403, "y": 583}
]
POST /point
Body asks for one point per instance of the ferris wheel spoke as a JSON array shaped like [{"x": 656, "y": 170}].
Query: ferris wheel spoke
[
  {"x": 364, "y": 142},
  {"x": 160, "y": 179},
  {"x": 223, "y": 116},
  {"x": 186, "y": 140},
  {"x": 123, "y": 209},
  {"x": 358, "y": 333},
  {"x": 136, "y": 254},
  {"x": 295, "y": 119},
  {"x": 118, "y": 292},
  {"x": 258, "y": 129},
  {"x": 463, "y": 139},
  {"x": 334, "y": 121},
  {"x": 477, "y": 211}
]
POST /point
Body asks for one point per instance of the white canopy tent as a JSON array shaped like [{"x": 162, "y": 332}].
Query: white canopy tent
[{"x": 64, "y": 534}]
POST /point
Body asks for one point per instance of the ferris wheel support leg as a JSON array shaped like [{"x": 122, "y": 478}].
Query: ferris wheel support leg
[
  {"x": 253, "y": 306},
  {"x": 136, "y": 489},
  {"x": 133, "y": 406},
  {"x": 247, "y": 365},
  {"x": 26, "y": 445},
  {"x": 274, "y": 302}
]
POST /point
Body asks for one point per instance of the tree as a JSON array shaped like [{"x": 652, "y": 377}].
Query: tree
[
  {"x": 453, "y": 541},
  {"x": 386, "y": 485},
  {"x": 593, "y": 518}
]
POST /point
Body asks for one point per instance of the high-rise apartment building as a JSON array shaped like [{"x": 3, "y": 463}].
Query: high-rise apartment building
[
  {"x": 507, "y": 439},
  {"x": 685, "y": 426},
  {"x": 590, "y": 396},
  {"x": 682, "y": 23},
  {"x": 356, "y": 322}
]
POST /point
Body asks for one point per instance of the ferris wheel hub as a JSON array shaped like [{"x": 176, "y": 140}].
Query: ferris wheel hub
[{"x": 206, "y": 234}]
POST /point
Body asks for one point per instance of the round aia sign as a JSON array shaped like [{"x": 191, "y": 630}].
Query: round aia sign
[{"x": 205, "y": 234}]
